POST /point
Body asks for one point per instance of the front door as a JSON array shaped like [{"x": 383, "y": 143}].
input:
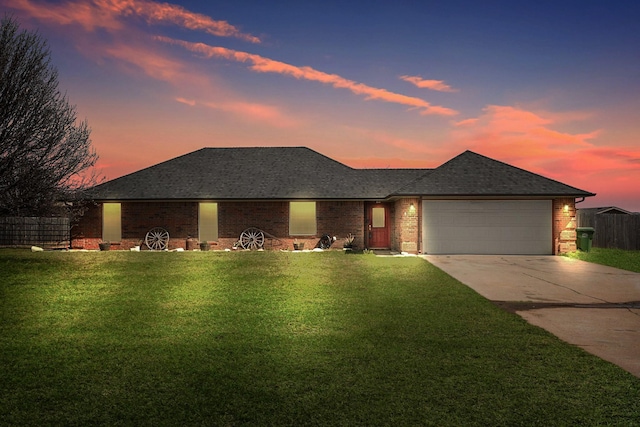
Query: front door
[{"x": 378, "y": 226}]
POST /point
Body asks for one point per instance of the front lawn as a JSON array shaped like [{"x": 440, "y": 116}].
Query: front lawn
[
  {"x": 618, "y": 258},
  {"x": 209, "y": 338}
]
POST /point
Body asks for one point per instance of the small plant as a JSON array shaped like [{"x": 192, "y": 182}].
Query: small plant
[{"x": 348, "y": 241}]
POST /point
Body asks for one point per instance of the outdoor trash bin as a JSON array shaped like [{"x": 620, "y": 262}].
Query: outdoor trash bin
[{"x": 584, "y": 238}]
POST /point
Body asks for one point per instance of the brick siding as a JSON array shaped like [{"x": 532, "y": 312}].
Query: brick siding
[
  {"x": 564, "y": 225},
  {"x": 340, "y": 219},
  {"x": 405, "y": 236},
  {"x": 180, "y": 219},
  {"x": 335, "y": 218}
]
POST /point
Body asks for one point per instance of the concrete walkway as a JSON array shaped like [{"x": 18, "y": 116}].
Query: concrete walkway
[{"x": 588, "y": 305}]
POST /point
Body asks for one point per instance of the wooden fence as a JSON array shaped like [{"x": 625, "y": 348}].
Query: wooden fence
[
  {"x": 612, "y": 230},
  {"x": 35, "y": 231}
]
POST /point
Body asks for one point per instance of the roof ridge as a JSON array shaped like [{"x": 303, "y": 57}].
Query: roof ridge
[
  {"x": 523, "y": 170},
  {"x": 456, "y": 182},
  {"x": 301, "y": 172}
]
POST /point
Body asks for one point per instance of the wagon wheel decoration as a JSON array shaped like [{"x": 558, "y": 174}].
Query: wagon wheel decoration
[
  {"x": 325, "y": 242},
  {"x": 157, "y": 239},
  {"x": 252, "y": 238}
]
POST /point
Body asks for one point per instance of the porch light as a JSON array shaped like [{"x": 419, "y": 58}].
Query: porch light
[
  {"x": 412, "y": 209},
  {"x": 566, "y": 208}
]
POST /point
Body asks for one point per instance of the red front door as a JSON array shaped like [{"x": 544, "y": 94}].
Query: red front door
[{"x": 378, "y": 225}]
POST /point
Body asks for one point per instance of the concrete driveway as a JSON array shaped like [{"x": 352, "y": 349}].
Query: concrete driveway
[{"x": 588, "y": 305}]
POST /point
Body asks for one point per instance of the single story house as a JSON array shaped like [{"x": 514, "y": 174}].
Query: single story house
[{"x": 469, "y": 205}]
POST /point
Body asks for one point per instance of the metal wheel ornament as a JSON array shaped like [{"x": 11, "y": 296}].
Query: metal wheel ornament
[
  {"x": 325, "y": 242},
  {"x": 252, "y": 238},
  {"x": 157, "y": 239}
]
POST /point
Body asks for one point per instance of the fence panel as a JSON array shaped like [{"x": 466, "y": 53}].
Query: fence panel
[
  {"x": 34, "y": 231},
  {"x": 613, "y": 231},
  {"x": 585, "y": 219}
]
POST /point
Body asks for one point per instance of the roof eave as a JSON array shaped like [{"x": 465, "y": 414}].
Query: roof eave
[{"x": 468, "y": 195}]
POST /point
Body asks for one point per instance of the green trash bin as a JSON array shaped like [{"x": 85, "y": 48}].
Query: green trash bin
[{"x": 584, "y": 238}]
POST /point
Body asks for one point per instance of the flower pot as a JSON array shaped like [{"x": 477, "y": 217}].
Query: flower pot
[
  {"x": 104, "y": 246},
  {"x": 191, "y": 244},
  {"x": 298, "y": 246},
  {"x": 204, "y": 246}
]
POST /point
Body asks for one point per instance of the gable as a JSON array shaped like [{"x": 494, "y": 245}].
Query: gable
[{"x": 471, "y": 174}]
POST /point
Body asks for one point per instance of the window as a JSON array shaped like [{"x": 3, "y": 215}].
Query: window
[
  {"x": 378, "y": 220},
  {"x": 302, "y": 219},
  {"x": 207, "y": 222},
  {"x": 111, "y": 222}
]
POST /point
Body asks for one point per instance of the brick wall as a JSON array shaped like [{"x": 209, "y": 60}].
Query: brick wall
[
  {"x": 341, "y": 218},
  {"x": 235, "y": 217},
  {"x": 180, "y": 219},
  {"x": 405, "y": 236},
  {"x": 564, "y": 225},
  {"x": 88, "y": 232},
  {"x": 335, "y": 218}
]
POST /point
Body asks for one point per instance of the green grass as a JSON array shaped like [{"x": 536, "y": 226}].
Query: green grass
[
  {"x": 210, "y": 338},
  {"x": 626, "y": 260}
]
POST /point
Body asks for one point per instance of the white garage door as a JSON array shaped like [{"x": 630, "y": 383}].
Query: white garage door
[{"x": 516, "y": 227}]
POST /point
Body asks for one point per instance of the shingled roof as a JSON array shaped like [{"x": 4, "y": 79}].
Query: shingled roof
[
  {"x": 258, "y": 173},
  {"x": 254, "y": 173},
  {"x": 472, "y": 174}
]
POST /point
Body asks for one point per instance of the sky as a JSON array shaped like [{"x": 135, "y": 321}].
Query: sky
[{"x": 548, "y": 86}]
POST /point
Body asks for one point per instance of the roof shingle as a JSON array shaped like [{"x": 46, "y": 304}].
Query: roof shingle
[
  {"x": 300, "y": 173},
  {"x": 472, "y": 174}
]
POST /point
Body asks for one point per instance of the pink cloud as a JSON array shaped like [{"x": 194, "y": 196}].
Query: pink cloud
[
  {"x": 517, "y": 122},
  {"x": 494, "y": 134},
  {"x": 265, "y": 113},
  {"x": 153, "y": 63},
  {"x": 261, "y": 112},
  {"x": 165, "y": 13},
  {"x": 142, "y": 54},
  {"x": 189, "y": 102},
  {"x": 109, "y": 13},
  {"x": 506, "y": 118},
  {"x": 85, "y": 14},
  {"x": 438, "y": 85},
  {"x": 266, "y": 65},
  {"x": 527, "y": 139},
  {"x": 501, "y": 129}
]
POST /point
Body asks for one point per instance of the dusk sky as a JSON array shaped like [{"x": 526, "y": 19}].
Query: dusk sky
[{"x": 549, "y": 86}]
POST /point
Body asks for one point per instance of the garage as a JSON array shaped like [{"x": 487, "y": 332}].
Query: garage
[{"x": 509, "y": 227}]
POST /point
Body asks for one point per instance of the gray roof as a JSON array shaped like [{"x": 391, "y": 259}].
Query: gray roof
[
  {"x": 472, "y": 174},
  {"x": 606, "y": 210},
  {"x": 300, "y": 173},
  {"x": 254, "y": 173}
]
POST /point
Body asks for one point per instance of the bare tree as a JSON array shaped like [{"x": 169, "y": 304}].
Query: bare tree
[{"x": 43, "y": 149}]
